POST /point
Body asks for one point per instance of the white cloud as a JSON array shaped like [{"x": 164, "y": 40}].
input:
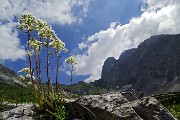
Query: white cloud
[
  {"x": 82, "y": 45},
  {"x": 114, "y": 40},
  {"x": 10, "y": 48},
  {"x": 52, "y": 11}
]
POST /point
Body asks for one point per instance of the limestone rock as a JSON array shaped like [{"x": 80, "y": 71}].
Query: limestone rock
[
  {"x": 116, "y": 106},
  {"x": 149, "y": 108},
  {"x": 22, "y": 112},
  {"x": 100, "y": 107}
]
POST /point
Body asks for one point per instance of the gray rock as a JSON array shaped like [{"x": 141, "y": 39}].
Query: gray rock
[
  {"x": 116, "y": 106},
  {"x": 149, "y": 108},
  {"x": 100, "y": 107},
  {"x": 22, "y": 112}
]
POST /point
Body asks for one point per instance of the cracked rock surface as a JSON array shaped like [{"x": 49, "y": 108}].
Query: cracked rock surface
[
  {"x": 112, "y": 106},
  {"x": 22, "y": 112}
]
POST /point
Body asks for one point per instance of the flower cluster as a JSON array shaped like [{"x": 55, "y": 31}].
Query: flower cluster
[
  {"x": 46, "y": 32},
  {"x": 27, "y": 22},
  {"x": 39, "y": 26},
  {"x": 35, "y": 44},
  {"x": 26, "y": 70},
  {"x": 71, "y": 60},
  {"x": 58, "y": 45}
]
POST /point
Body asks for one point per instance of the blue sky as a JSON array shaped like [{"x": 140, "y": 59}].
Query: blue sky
[{"x": 91, "y": 29}]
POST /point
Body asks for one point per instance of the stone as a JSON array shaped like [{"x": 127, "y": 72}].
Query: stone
[
  {"x": 116, "y": 106},
  {"x": 100, "y": 107},
  {"x": 150, "y": 108},
  {"x": 21, "y": 112}
]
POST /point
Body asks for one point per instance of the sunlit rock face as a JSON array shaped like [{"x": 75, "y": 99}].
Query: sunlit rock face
[
  {"x": 116, "y": 106},
  {"x": 153, "y": 67}
]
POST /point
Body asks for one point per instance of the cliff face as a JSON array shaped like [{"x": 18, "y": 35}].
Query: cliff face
[{"x": 151, "y": 67}]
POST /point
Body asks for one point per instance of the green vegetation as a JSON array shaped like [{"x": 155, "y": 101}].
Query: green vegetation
[
  {"x": 15, "y": 93},
  {"x": 175, "y": 110},
  {"x": 171, "y": 101},
  {"x": 82, "y": 88}
]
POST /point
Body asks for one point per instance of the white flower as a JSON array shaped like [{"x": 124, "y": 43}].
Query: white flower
[
  {"x": 28, "y": 75},
  {"x": 65, "y": 50},
  {"x": 58, "y": 45},
  {"x": 35, "y": 44},
  {"x": 71, "y": 60},
  {"x": 46, "y": 32},
  {"x": 40, "y": 25},
  {"x": 26, "y": 70},
  {"x": 22, "y": 77},
  {"x": 27, "y": 22}
]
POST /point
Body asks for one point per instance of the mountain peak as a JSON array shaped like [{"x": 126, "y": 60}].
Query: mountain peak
[{"x": 150, "y": 68}]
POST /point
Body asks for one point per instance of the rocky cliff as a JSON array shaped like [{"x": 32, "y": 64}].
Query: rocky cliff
[{"x": 153, "y": 67}]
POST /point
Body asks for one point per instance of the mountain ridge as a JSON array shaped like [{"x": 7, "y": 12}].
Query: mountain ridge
[
  {"x": 151, "y": 67},
  {"x": 8, "y": 76}
]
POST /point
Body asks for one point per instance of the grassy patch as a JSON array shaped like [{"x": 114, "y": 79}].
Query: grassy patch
[
  {"x": 15, "y": 93},
  {"x": 175, "y": 110},
  {"x": 172, "y": 102}
]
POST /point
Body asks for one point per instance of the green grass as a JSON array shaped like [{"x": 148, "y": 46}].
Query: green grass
[
  {"x": 82, "y": 88},
  {"x": 15, "y": 93},
  {"x": 175, "y": 110},
  {"x": 171, "y": 101}
]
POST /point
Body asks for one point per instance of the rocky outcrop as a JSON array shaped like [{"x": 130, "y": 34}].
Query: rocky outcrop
[
  {"x": 112, "y": 106},
  {"x": 153, "y": 67},
  {"x": 116, "y": 106},
  {"x": 21, "y": 112}
]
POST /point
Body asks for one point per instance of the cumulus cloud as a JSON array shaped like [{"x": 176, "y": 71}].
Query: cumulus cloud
[
  {"x": 158, "y": 17},
  {"x": 52, "y": 11},
  {"x": 10, "y": 48}
]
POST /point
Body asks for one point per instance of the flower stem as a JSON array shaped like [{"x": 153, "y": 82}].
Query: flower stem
[{"x": 30, "y": 66}]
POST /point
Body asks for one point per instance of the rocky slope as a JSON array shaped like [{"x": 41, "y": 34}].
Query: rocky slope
[
  {"x": 8, "y": 76},
  {"x": 153, "y": 67}
]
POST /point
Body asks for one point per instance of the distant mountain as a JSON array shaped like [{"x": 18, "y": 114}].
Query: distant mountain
[
  {"x": 153, "y": 67},
  {"x": 8, "y": 76}
]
